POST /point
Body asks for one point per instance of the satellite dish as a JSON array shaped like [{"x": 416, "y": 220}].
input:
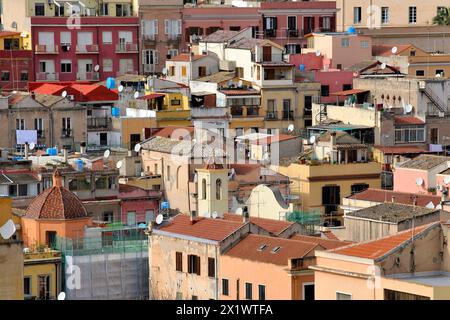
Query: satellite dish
[
  {"x": 14, "y": 25},
  {"x": 96, "y": 68},
  {"x": 8, "y": 229},
  {"x": 318, "y": 53},
  {"x": 290, "y": 127},
  {"x": 419, "y": 181},
  {"x": 136, "y": 94},
  {"x": 408, "y": 108},
  {"x": 119, "y": 164},
  {"x": 230, "y": 83},
  {"x": 439, "y": 206},
  {"x": 164, "y": 71},
  {"x": 32, "y": 146},
  {"x": 62, "y": 296},
  {"x": 383, "y": 66},
  {"x": 137, "y": 147},
  {"x": 64, "y": 94},
  {"x": 106, "y": 154},
  {"x": 447, "y": 180},
  {"x": 214, "y": 215},
  {"x": 238, "y": 211},
  {"x": 240, "y": 83},
  {"x": 438, "y": 75},
  {"x": 394, "y": 50},
  {"x": 430, "y": 205},
  {"x": 159, "y": 218},
  {"x": 120, "y": 88},
  {"x": 312, "y": 139}
]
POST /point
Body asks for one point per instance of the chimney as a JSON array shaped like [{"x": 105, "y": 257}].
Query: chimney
[
  {"x": 26, "y": 150},
  {"x": 245, "y": 215},
  {"x": 83, "y": 147},
  {"x": 192, "y": 216},
  {"x": 65, "y": 154},
  {"x": 33, "y": 95},
  {"x": 57, "y": 179},
  {"x": 333, "y": 138}
]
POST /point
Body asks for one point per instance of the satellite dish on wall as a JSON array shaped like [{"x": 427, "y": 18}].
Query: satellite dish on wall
[
  {"x": 214, "y": 215},
  {"x": 106, "y": 154},
  {"x": 119, "y": 164},
  {"x": 62, "y": 296},
  {"x": 96, "y": 68},
  {"x": 8, "y": 229},
  {"x": 137, "y": 147},
  {"x": 136, "y": 94},
  {"x": 447, "y": 180},
  {"x": 430, "y": 205},
  {"x": 32, "y": 146},
  {"x": 238, "y": 211},
  {"x": 419, "y": 181},
  {"x": 64, "y": 94},
  {"x": 383, "y": 66},
  {"x": 394, "y": 50},
  {"x": 290, "y": 127},
  {"x": 312, "y": 139},
  {"x": 439, "y": 206},
  {"x": 120, "y": 88},
  {"x": 159, "y": 218},
  {"x": 408, "y": 108},
  {"x": 318, "y": 53}
]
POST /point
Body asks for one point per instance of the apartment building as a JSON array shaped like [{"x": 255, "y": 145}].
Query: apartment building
[{"x": 98, "y": 48}]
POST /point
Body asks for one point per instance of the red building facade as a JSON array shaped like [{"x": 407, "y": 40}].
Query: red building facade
[
  {"x": 16, "y": 68},
  {"x": 72, "y": 52}
]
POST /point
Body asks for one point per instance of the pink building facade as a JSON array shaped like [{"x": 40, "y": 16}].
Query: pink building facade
[
  {"x": 138, "y": 205},
  {"x": 63, "y": 52}
]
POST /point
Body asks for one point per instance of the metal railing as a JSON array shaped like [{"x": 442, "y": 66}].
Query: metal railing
[
  {"x": 99, "y": 123},
  {"x": 47, "y": 76},
  {"x": 87, "y": 48},
  {"x": 42, "y": 48},
  {"x": 94, "y": 76},
  {"x": 126, "y": 47}
]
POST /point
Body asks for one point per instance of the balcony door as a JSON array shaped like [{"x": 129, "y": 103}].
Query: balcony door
[
  {"x": 47, "y": 39},
  {"x": 292, "y": 23},
  {"x": 84, "y": 68},
  {"x": 267, "y": 53},
  {"x": 125, "y": 37}
]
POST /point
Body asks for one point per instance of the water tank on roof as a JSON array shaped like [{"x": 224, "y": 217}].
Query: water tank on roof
[
  {"x": 115, "y": 112},
  {"x": 165, "y": 205},
  {"x": 79, "y": 165},
  {"x": 301, "y": 67},
  {"x": 351, "y": 30},
  {"x": 110, "y": 83}
]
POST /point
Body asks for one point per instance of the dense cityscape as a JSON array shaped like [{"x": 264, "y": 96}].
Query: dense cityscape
[{"x": 224, "y": 150}]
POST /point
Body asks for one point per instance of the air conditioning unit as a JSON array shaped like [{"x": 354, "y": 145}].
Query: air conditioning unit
[{"x": 270, "y": 115}]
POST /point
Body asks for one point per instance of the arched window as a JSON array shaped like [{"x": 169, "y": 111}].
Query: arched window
[
  {"x": 204, "y": 189},
  {"x": 218, "y": 189}
]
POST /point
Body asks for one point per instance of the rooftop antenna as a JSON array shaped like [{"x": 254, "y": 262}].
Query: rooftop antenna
[
  {"x": 312, "y": 139},
  {"x": 214, "y": 215},
  {"x": 32, "y": 146},
  {"x": 120, "y": 88},
  {"x": 383, "y": 66},
  {"x": 419, "y": 181}
]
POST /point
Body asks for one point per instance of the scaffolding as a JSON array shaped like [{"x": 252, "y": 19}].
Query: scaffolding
[
  {"x": 107, "y": 264},
  {"x": 311, "y": 220}
]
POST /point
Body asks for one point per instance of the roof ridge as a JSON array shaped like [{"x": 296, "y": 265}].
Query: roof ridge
[{"x": 50, "y": 190}]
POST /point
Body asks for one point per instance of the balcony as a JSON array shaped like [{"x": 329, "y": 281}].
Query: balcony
[
  {"x": 270, "y": 33},
  {"x": 288, "y": 115},
  {"x": 127, "y": 48},
  {"x": 88, "y": 76},
  {"x": 47, "y": 76},
  {"x": 271, "y": 116},
  {"x": 99, "y": 123},
  {"x": 267, "y": 58},
  {"x": 66, "y": 133},
  {"x": 87, "y": 48},
  {"x": 293, "y": 33},
  {"x": 174, "y": 38},
  {"x": 149, "y": 68},
  {"x": 149, "y": 38},
  {"x": 122, "y": 73},
  {"x": 46, "y": 49}
]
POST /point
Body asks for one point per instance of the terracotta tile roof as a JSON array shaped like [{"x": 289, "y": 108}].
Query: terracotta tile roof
[
  {"x": 275, "y": 138},
  {"x": 220, "y": 36},
  {"x": 407, "y": 120},
  {"x": 205, "y": 228},
  {"x": 151, "y": 96},
  {"x": 174, "y": 132},
  {"x": 250, "y": 249},
  {"x": 56, "y": 203},
  {"x": 378, "y": 248},
  {"x": 385, "y": 50},
  {"x": 378, "y": 195},
  {"x": 424, "y": 162},
  {"x": 326, "y": 243},
  {"x": 329, "y": 235},
  {"x": 273, "y": 226},
  {"x": 184, "y": 57},
  {"x": 391, "y": 212},
  {"x": 49, "y": 88}
]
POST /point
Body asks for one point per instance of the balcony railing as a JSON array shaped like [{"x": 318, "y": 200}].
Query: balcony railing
[
  {"x": 99, "y": 123},
  {"x": 288, "y": 114},
  {"x": 174, "y": 37},
  {"x": 46, "y": 49},
  {"x": 277, "y": 57},
  {"x": 293, "y": 33},
  {"x": 270, "y": 33},
  {"x": 237, "y": 111},
  {"x": 252, "y": 111},
  {"x": 66, "y": 133},
  {"x": 149, "y": 68},
  {"x": 122, "y": 73},
  {"x": 271, "y": 115},
  {"x": 90, "y": 76},
  {"x": 47, "y": 76},
  {"x": 87, "y": 48},
  {"x": 149, "y": 38},
  {"x": 126, "y": 48}
]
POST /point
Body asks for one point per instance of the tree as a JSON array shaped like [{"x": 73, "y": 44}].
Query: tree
[{"x": 443, "y": 17}]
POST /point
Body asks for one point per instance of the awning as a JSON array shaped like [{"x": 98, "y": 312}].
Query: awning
[
  {"x": 151, "y": 96},
  {"x": 348, "y": 92}
]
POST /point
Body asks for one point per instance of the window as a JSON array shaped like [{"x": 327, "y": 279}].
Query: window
[
  {"x": 172, "y": 52},
  {"x": 66, "y": 123},
  {"x": 343, "y": 296},
  {"x": 131, "y": 218},
  {"x": 308, "y": 291},
  {"x": 44, "y": 287},
  {"x": 39, "y": 9},
  {"x": 239, "y": 72},
  {"x": 218, "y": 189},
  {"x": 356, "y": 14},
  {"x": 412, "y": 53},
  {"x": 287, "y": 109},
  {"x": 345, "y": 42},
  {"x": 172, "y": 27},
  {"x": 293, "y": 48},
  {"x": 364, "y": 44},
  {"x": 66, "y": 66},
  {"x": 440, "y": 72},
  {"x": 194, "y": 264},
  {"x": 65, "y": 38},
  {"x": 24, "y": 75},
  {"x": 384, "y": 14},
  {"x": 292, "y": 23},
  {"x": 271, "y": 108},
  {"x": 183, "y": 71},
  {"x": 412, "y": 17},
  {"x": 59, "y": 11},
  {"x": 108, "y": 216},
  {"x": 331, "y": 198},
  {"x": 211, "y": 267},
  {"x": 150, "y": 57},
  {"x": 122, "y": 10},
  {"x": 203, "y": 188},
  {"x": 248, "y": 291},
  {"x": 179, "y": 261},
  {"x": 107, "y": 37},
  {"x": 149, "y": 215},
  {"x": 225, "y": 289},
  {"x": 104, "y": 9},
  {"x": 5, "y": 75},
  {"x": 346, "y": 87},
  {"x": 420, "y": 73},
  {"x": 262, "y": 292},
  {"x": 20, "y": 124},
  {"x": 39, "y": 126},
  {"x": 325, "y": 91},
  {"x": 107, "y": 65},
  {"x": 179, "y": 296},
  {"x": 202, "y": 71},
  {"x": 150, "y": 29},
  {"x": 194, "y": 297},
  {"x": 359, "y": 187},
  {"x": 411, "y": 133},
  {"x": 11, "y": 44},
  {"x": 326, "y": 23},
  {"x": 27, "y": 286},
  {"x": 398, "y": 295},
  {"x": 270, "y": 23}
]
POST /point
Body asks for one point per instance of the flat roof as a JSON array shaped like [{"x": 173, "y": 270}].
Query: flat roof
[
  {"x": 435, "y": 279},
  {"x": 338, "y": 127}
]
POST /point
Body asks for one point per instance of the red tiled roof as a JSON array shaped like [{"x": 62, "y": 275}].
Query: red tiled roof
[
  {"x": 407, "y": 120},
  {"x": 378, "y": 248},
  {"x": 184, "y": 57},
  {"x": 401, "y": 149},
  {"x": 49, "y": 88},
  {"x": 56, "y": 203},
  {"x": 270, "y": 225},
  {"x": 151, "y": 96},
  {"x": 378, "y": 195},
  {"x": 250, "y": 249},
  {"x": 385, "y": 50},
  {"x": 173, "y": 132},
  {"x": 239, "y": 92},
  {"x": 206, "y": 228},
  {"x": 276, "y": 138},
  {"x": 329, "y": 235},
  {"x": 326, "y": 243}
]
